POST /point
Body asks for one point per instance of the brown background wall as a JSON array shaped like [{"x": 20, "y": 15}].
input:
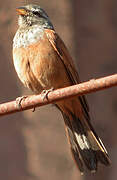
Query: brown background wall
[{"x": 33, "y": 146}]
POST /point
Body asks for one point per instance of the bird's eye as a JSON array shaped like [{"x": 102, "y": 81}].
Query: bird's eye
[{"x": 37, "y": 13}]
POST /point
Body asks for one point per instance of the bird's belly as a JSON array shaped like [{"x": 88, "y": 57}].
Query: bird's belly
[
  {"x": 39, "y": 67},
  {"x": 24, "y": 71},
  {"x": 48, "y": 68}
]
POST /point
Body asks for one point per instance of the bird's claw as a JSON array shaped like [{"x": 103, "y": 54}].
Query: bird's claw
[
  {"x": 45, "y": 93},
  {"x": 19, "y": 101}
]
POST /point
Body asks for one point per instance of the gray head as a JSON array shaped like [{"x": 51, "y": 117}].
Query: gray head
[{"x": 31, "y": 15}]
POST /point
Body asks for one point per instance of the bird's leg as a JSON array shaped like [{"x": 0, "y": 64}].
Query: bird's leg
[
  {"x": 45, "y": 93},
  {"x": 19, "y": 101}
]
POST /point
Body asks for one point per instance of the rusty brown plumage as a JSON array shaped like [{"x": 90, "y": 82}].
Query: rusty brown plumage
[{"x": 42, "y": 61}]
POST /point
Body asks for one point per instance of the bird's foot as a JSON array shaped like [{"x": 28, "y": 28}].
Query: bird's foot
[
  {"x": 19, "y": 101},
  {"x": 45, "y": 93}
]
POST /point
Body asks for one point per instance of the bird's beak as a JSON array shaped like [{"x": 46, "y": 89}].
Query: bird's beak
[{"x": 21, "y": 11}]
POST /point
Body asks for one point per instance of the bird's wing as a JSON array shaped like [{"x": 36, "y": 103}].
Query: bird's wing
[{"x": 66, "y": 59}]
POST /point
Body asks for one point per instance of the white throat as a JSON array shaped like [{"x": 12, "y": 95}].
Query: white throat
[{"x": 26, "y": 37}]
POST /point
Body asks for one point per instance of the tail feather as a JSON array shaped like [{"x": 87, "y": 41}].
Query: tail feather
[
  {"x": 73, "y": 143},
  {"x": 86, "y": 146}
]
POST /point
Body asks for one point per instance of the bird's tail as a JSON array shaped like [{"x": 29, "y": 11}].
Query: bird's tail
[{"x": 86, "y": 147}]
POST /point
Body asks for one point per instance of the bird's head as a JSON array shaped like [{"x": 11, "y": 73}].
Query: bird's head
[{"x": 31, "y": 14}]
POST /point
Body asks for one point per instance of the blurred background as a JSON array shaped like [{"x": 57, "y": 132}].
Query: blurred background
[{"x": 33, "y": 146}]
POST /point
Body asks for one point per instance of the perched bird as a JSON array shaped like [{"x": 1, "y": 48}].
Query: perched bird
[{"x": 42, "y": 62}]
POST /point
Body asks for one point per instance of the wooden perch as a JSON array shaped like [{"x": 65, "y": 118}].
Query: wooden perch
[{"x": 59, "y": 94}]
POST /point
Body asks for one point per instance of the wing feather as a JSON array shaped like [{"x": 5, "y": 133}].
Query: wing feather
[{"x": 66, "y": 59}]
